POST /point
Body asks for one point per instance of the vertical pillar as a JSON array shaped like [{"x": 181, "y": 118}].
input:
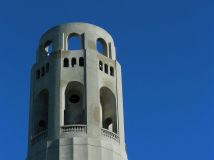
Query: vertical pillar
[{"x": 92, "y": 94}]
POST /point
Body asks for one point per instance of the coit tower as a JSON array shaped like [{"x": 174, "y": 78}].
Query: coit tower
[{"x": 76, "y": 105}]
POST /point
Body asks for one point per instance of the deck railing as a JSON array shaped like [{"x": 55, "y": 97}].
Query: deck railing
[
  {"x": 110, "y": 135},
  {"x": 74, "y": 129}
]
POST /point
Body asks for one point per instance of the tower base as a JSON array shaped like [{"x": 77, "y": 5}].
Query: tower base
[{"x": 77, "y": 149}]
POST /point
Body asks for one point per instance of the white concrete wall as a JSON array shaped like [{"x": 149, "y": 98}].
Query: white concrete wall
[{"x": 91, "y": 144}]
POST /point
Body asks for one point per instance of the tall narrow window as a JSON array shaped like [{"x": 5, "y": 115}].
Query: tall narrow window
[
  {"x": 74, "y": 42},
  {"x": 111, "y": 71},
  {"x": 38, "y": 74},
  {"x": 66, "y": 62},
  {"x": 101, "y": 65},
  {"x": 47, "y": 67},
  {"x": 73, "y": 62},
  {"x": 106, "y": 68},
  {"x": 102, "y": 46},
  {"x": 43, "y": 71},
  {"x": 81, "y": 61}
]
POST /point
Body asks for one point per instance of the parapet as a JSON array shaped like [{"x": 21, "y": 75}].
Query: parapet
[{"x": 57, "y": 38}]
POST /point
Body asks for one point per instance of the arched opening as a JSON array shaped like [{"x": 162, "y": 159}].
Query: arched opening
[
  {"x": 74, "y": 42},
  {"x": 101, "y": 65},
  {"x": 49, "y": 47},
  {"x": 40, "y": 114},
  {"x": 111, "y": 71},
  {"x": 81, "y": 61},
  {"x": 108, "y": 107},
  {"x": 73, "y": 62},
  {"x": 106, "y": 68},
  {"x": 74, "y": 112},
  {"x": 66, "y": 62},
  {"x": 102, "y": 46}
]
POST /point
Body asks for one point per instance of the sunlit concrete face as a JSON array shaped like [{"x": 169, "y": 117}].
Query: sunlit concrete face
[{"x": 76, "y": 105}]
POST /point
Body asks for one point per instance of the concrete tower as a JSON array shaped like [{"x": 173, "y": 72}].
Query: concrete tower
[{"x": 76, "y": 105}]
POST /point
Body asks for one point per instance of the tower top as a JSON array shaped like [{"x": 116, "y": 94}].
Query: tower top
[
  {"x": 76, "y": 104},
  {"x": 79, "y": 27},
  {"x": 57, "y": 37}
]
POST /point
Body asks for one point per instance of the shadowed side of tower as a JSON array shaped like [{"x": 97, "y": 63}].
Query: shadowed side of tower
[{"x": 76, "y": 105}]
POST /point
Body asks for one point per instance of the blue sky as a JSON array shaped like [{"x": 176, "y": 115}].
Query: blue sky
[{"x": 167, "y": 55}]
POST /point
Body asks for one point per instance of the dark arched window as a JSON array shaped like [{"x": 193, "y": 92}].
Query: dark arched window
[
  {"x": 74, "y": 112},
  {"x": 101, "y": 46},
  {"x": 108, "y": 109},
  {"x": 43, "y": 71},
  {"x": 81, "y": 61},
  {"x": 73, "y": 62},
  {"x": 106, "y": 68},
  {"x": 106, "y": 123},
  {"x": 49, "y": 47},
  {"x": 111, "y": 71},
  {"x": 47, "y": 67},
  {"x": 101, "y": 65},
  {"x": 74, "y": 42},
  {"x": 66, "y": 62},
  {"x": 40, "y": 112}
]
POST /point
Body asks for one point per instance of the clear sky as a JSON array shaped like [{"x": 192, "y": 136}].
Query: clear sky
[{"x": 166, "y": 51}]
